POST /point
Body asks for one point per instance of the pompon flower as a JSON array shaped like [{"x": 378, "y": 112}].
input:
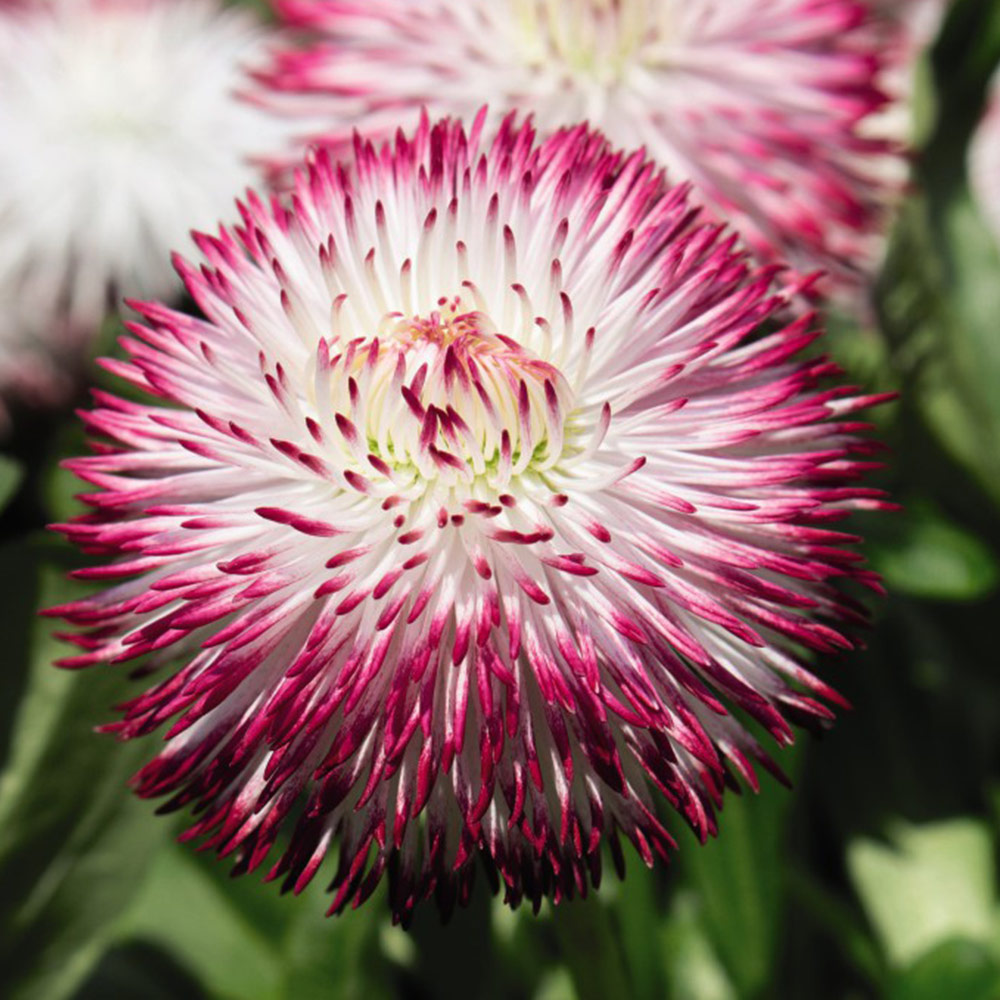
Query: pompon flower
[
  {"x": 984, "y": 161},
  {"x": 120, "y": 131},
  {"x": 488, "y": 488},
  {"x": 761, "y": 103}
]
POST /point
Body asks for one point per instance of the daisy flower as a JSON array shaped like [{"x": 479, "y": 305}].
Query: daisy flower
[
  {"x": 761, "y": 103},
  {"x": 120, "y": 131},
  {"x": 487, "y": 508}
]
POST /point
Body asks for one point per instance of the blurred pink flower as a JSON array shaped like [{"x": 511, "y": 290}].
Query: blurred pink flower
[
  {"x": 490, "y": 484},
  {"x": 120, "y": 130},
  {"x": 984, "y": 161},
  {"x": 904, "y": 30},
  {"x": 761, "y": 104}
]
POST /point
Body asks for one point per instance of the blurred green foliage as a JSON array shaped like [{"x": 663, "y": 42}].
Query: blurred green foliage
[{"x": 876, "y": 878}]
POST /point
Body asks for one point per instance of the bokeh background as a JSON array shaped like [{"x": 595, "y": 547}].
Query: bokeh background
[{"x": 874, "y": 877}]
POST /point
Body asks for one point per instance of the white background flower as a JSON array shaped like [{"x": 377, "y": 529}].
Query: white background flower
[{"x": 121, "y": 132}]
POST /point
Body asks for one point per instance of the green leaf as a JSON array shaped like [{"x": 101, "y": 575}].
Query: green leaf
[
  {"x": 20, "y": 561},
  {"x": 591, "y": 949},
  {"x": 59, "y": 486},
  {"x": 954, "y": 968},
  {"x": 863, "y": 353},
  {"x": 637, "y": 911},
  {"x": 691, "y": 965},
  {"x": 930, "y": 883},
  {"x": 185, "y": 912},
  {"x": 958, "y": 385},
  {"x": 139, "y": 971},
  {"x": 457, "y": 956},
  {"x": 11, "y": 474},
  {"x": 556, "y": 985},
  {"x": 839, "y": 921},
  {"x": 958, "y": 392},
  {"x": 73, "y": 840},
  {"x": 243, "y": 940},
  {"x": 739, "y": 882},
  {"x": 523, "y": 952},
  {"x": 343, "y": 957},
  {"x": 921, "y": 553}
]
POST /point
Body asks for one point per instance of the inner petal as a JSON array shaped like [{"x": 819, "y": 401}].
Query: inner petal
[{"x": 448, "y": 399}]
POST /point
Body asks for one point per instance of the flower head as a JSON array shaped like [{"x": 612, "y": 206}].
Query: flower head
[
  {"x": 487, "y": 488},
  {"x": 760, "y": 103},
  {"x": 120, "y": 131}
]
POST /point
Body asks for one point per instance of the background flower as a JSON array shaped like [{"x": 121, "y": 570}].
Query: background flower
[
  {"x": 761, "y": 104},
  {"x": 904, "y": 30},
  {"x": 121, "y": 131},
  {"x": 984, "y": 161},
  {"x": 482, "y": 503}
]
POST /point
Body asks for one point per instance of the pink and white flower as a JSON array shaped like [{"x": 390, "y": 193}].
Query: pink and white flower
[
  {"x": 761, "y": 103},
  {"x": 121, "y": 130},
  {"x": 488, "y": 487}
]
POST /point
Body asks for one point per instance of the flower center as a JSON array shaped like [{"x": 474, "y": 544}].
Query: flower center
[
  {"x": 110, "y": 74},
  {"x": 595, "y": 41},
  {"x": 443, "y": 401}
]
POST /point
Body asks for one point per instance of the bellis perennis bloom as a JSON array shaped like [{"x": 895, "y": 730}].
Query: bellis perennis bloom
[
  {"x": 120, "y": 130},
  {"x": 487, "y": 487},
  {"x": 761, "y": 103}
]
